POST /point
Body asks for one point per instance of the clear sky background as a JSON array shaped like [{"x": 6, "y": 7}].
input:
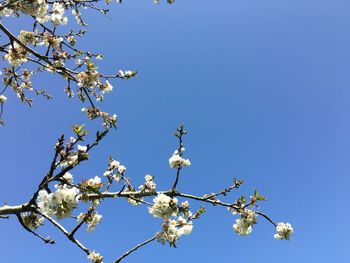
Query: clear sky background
[{"x": 263, "y": 89}]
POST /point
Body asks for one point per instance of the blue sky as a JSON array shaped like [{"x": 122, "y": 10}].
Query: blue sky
[{"x": 263, "y": 89}]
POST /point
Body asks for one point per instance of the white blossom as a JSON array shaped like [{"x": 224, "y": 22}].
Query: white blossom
[
  {"x": 36, "y": 8},
  {"x": 92, "y": 221},
  {"x": 173, "y": 230},
  {"x": 16, "y": 55},
  {"x": 126, "y": 74},
  {"x": 284, "y": 231},
  {"x": 107, "y": 87},
  {"x": 244, "y": 225},
  {"x": 95, "y": 220},
  {"x": 94, "y": 182},
  {"x": 150, "y": 185},
  {"x": 82, "y": 148},
  {"x": 176, "y": 161},
  {"x": 3, "y": 99},
  {"x": 95, "y": 257},
  {"x": 6, "y": 12},
  {"x": 68, "y": 177},
  {"x": 59, "y": 203},
  {"x": 77, "y": 16},
  {"x": 121, "y": 169},
  {"x": 114, "y": 164},
  {"x": 57, "y": 16},
  {"x": 70, "y": 160},
  {"x": 107, "y": 173},
  {"x": 164, "y": 206}
]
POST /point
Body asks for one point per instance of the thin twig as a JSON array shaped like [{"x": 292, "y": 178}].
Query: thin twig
[
  {"x": 66, "y": 233},
  {"x": 47, "y": 240},
  {"x": 134, "y": 249}
]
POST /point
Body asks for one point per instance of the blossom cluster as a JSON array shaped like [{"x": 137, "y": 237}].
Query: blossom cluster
[
  {"x": 173, "y": 230},
  {"x": 114, "y": 170},
  {"x": 60, "y": 54},
  {"x": 164, "y": 207},
  {"x": 149, "y": 186},
  {"x": 244, "y": 225},
  {"x": 39, "y": 9},
  {"x": 74, "y": 157},
  {"x": 284, "y": 231},
  {"x": 59, "y": 203},
  {"x": 176, "y": 161},
  {"x": 93, "y": 183},
  {"x": 93, "y": 113},
  {"x": 92, "y": 220},
  {"x": 36, "y": 8},
  {"x": 17, "y": 55},
  {"x": 57, "y": 16},
  {"x": 126, "y": 74}
]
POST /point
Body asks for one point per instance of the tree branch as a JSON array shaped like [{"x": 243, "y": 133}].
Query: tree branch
[
  {"x": 47, "y": 240},
  {"x": 66, "y": 233},
  {"x": 134, "y": 249}
]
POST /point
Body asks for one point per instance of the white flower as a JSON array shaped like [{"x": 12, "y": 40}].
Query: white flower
[
  {"x": 57, "y": 16},
  {"x": 3, "y": 99},
  {"x": 250, "y": 216},
  {"x": 59, "y": 203},
  {"x": 150, "y": 185},
  {"x": 185, "y": 228},
  {"x": 94, "y": 182},
  {"x": 284, "y": 231},
  {"x": 107, "y": 87},
  {"x": 121, "y": 73},
  {"x": 117, "y": 178},
  {"x": 82, "y": 148},
  {"x": 164, "y": 206},
  {"x": 176, "y": 161},
  {"x": 92, "y": 221},
  {"x": 127, "y": 74},
  {"x": 16, "y": 55},
  {"x": 95, "y": 257},
  {"x": 6, "y": 12},
  {"x": 173, "y": 230},
  {"x": 77, "y": 16},
  {"x": 36, "y": 8},
  {"x": 114, "y": 164},
  {"x": 95, "y": 220},
  {"x": 70, "y": 160},
  {"x": 121, "y": 169},
  {"x": 244, "y": 225},
  {"x": 185, "y": 205},
  {"x": 68, "y": 177},
  {"x": 107, "y": 173}
]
